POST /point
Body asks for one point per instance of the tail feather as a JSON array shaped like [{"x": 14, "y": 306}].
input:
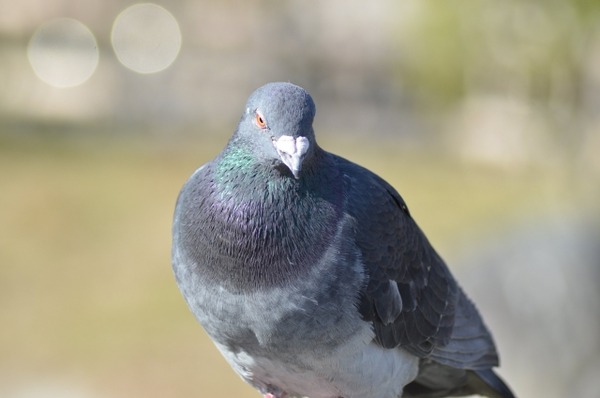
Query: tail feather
[
  {"x": 489, "y": 384},
  {"x": 436, "y": 380}
]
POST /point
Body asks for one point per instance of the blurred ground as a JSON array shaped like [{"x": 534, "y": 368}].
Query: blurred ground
[{"x": 484, "y": 115}]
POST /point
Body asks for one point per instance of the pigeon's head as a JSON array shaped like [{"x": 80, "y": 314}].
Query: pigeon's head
[{"x": 277, "y": 125}]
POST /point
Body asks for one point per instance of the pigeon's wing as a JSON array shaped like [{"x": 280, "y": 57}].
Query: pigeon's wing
[{"x": 411, "y": 298}]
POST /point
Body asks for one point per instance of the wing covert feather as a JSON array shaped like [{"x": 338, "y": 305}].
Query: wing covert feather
[{"x": 426, "y": 313}]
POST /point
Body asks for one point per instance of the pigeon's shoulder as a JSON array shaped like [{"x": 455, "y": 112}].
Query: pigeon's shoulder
[
  {"x": 411, "y": 298},
  {"x": 197, "y": 182}
]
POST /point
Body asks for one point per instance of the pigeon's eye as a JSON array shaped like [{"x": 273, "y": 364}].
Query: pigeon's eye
[{"x": 260, "y": 121}]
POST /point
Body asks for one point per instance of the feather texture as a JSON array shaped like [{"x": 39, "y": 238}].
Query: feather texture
[{"x": 317, "y": 281}]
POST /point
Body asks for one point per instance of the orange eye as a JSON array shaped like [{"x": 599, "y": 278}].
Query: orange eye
[{"x": 260, "y": 121}]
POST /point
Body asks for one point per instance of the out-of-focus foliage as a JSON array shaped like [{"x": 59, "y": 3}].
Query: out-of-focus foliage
[{"x": 519, "y": 80}]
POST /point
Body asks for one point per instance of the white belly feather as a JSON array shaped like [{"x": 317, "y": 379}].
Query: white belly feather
[{"x": 359, "y": 369}]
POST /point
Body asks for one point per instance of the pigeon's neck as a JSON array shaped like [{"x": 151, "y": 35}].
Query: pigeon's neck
[
  {"x": 234, "y": 161},
  {"x": 240, "y": 176}
]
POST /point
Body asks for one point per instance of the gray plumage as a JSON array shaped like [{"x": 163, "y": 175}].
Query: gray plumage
[{"x": 311, "y": 276}]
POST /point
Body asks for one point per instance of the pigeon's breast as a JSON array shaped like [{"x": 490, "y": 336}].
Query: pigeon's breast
[
  {"x": 315, "y": 310},
  {"x": 248, "y": 241}
]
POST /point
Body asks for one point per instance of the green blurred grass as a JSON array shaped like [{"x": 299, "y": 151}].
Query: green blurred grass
[{"x": 86, "y": 291}]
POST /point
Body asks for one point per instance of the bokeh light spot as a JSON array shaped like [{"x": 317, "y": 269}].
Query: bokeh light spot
[
  {"x": 63, "y": 52},
  {"x": 146, "y": 38}
]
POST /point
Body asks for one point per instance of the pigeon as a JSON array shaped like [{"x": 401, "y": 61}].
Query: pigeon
[{"x": 310, "y": 275}]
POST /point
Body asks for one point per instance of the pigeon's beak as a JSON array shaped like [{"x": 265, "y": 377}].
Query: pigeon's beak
[{"x": 292, "y": 152}]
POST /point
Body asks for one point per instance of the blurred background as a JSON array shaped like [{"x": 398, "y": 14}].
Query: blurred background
[{"x": 485, "y": 115}]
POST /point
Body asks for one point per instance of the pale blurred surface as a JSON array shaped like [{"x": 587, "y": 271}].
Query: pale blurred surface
[{"x": 484, "y": 115}]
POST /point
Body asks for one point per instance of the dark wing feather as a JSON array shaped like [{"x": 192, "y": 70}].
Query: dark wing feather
[{"x": 411, "y": 298}]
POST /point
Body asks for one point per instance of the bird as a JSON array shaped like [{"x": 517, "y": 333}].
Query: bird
[{"x": 311, "y": 276}]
